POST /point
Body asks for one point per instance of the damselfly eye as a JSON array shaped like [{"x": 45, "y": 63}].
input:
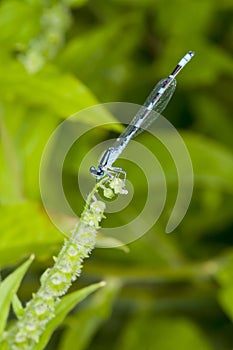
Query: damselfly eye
[
  {"x": 99, "y": 173},
  {"x": 93, "y": 170}
]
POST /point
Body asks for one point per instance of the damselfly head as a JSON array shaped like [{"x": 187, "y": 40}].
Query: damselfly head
[{"x": 98, "y": 173}]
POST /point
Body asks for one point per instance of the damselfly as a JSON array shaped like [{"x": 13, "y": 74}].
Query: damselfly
[{"x": 156, "y": 101}]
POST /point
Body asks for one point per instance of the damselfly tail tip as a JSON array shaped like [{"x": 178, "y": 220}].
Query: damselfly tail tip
[
  {"x": 186, "y": 59},
  {"x": 191, "y": 53}
]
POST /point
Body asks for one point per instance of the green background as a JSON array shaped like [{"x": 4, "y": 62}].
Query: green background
[{"x": 57, "y": 57}]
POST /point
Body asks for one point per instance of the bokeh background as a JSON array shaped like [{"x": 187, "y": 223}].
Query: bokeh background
[{"x": 57, "y": 57}]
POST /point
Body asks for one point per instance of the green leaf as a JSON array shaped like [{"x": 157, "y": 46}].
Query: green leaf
[
  {"x": 212, "y": 162},
  {"x": 226, "y": 300},
  {"x": 18, "y": 12},
  {"x": 24, "y": 136},
  {"x": 225, "y": 278},
  {"x": 10, "y": 176},
  {"x": 99, "y": 53},
  {"x": 75, "y": 3},
  {"x": 17, "y": 306},
  {"x": 67, "y": 304},
  {"x": 8, "y": 288},
  {"x": 213, "y": 117},
  {"x": 25, "y": 228},
  {"x": 84, "y": 324},
  {"x": 213, "y": 186},
  {"x": 63, "y": 94},
  {"x": 145, "y": 332}
]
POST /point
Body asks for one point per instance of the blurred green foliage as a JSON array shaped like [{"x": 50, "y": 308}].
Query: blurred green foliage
[{"x": 58, "y": 57}]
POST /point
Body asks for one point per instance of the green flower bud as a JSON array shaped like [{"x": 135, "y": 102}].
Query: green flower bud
[
  {"x": 98, "y": 207},
  {"x": 118, "y": 186},
  {"x": 108, "y": 193}
]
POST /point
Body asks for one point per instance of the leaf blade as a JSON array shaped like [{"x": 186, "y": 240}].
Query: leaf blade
[
  {"x": 8, "y": 288},
  {"x": 66, "y": 304}
]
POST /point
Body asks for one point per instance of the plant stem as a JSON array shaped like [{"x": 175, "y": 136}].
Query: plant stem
[{"x": 56, "y": 280}]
